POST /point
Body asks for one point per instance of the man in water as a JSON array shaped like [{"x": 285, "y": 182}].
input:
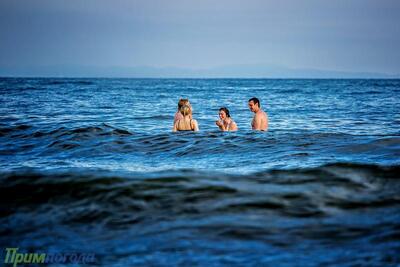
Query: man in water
[{"x": 260, "y": 120}]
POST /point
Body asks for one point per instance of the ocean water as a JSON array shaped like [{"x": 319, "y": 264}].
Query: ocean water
[{"x": 91, "y": 166}]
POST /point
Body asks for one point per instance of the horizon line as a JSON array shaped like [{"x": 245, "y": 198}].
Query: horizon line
[{"x": 209, "y": 78}]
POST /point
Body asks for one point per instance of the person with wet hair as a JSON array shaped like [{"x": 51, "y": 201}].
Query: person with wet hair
[
  {"x": 225, "y": 122},
  {"x": 186, "y": 123},
  {"x": 181, "y": 103},
  {"x": 260, "y": 119}
]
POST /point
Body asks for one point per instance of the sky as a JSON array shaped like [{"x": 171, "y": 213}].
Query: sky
[{"x": 340, "y": 35}]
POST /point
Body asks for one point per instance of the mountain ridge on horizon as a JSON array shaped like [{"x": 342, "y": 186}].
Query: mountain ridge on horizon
[{"x": 228, "y": 71}]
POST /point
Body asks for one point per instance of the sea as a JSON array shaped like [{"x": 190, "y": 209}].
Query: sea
[{"x": 91, "y": 166}]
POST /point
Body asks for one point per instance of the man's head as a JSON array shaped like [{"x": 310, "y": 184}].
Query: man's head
[{"x": 254, "y": 104}]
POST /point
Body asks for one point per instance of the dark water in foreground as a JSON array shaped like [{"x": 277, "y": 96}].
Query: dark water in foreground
[{"x": 90, "y": 165}]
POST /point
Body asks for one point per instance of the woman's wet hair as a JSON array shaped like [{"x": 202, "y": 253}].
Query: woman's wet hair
[
  {"x": 226, "y": 111},
  {"x": 182, "y": 102},
  {"x": 185, "y": 110}
]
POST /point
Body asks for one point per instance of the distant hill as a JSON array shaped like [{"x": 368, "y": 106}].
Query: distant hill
[{"x": 232, "y": 71}]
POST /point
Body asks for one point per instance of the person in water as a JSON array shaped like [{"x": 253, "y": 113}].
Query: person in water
[
  {"x": 260, "y": 119},
  {"x": 186, "y": 123},
  {"x": 178, "y": 114},
  {"x": 225, "y": 122}
]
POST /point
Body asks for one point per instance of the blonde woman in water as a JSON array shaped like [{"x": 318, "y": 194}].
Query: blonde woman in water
[
  {"x": 181, "y": 103},
  {"x": 186, "y": 123}
]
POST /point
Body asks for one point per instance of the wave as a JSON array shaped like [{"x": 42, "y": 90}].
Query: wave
[
  {"x": 156, "y": 117},
  {"x": 68, "y": 82},
  {"x": 313, "y": 192},
  {"x": 332, "y": 208},
  {"x": 244, "y": 151},
  {"x": 101, "y": 130},
  {"x": 4, "y": 130}
]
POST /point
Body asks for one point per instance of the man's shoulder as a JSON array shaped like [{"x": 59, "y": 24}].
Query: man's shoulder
[{"x": 261, "y": 113}]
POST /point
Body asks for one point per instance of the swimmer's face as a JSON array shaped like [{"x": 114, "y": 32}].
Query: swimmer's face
[
  {"x": 222, "y": 115},
  {"x": 253, "y": 107}
]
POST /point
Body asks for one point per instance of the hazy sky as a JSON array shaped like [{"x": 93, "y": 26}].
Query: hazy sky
[{"x": 344, "y": 35}]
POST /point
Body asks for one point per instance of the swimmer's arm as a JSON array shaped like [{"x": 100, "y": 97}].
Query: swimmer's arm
[
  {"x": 195, "y": 126},
  {"x": 233, "y": 127},
  {"x": 175, "y": 128},
  {"x": 257, "y": 123}
]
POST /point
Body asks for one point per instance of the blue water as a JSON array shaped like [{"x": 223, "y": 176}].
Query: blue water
[{"x": 91, "y": 165}]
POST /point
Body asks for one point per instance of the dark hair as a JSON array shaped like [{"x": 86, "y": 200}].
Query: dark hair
[
  {"x": 226, "y": 111},
  {"x": 255, "y": 100},
  {"x": 182, "y": 102}
]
